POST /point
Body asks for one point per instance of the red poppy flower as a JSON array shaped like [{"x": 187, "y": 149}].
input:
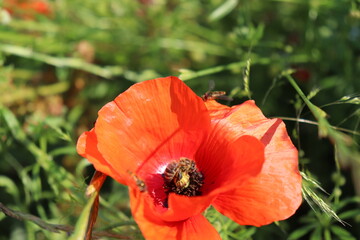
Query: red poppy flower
[
  {"x": 27, "y": 9},
  {"x": 179, "y": 155}
]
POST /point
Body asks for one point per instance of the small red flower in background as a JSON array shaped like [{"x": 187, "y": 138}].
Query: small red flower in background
[
  {"x": 303, "y": 75},
  {"x": 27, "y": 9},
  {"x": 179, "y": 155}
]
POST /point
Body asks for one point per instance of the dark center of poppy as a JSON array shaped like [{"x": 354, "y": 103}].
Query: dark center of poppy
[{"x": 183, "y": 178}]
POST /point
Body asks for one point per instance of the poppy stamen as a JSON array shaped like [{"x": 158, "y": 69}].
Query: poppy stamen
[{"x": 183, "y": 178}]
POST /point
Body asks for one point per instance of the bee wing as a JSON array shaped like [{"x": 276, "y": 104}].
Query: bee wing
[{"x": 211, "y": 85}]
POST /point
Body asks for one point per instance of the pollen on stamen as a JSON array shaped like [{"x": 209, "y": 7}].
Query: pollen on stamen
[{"x": 182, "y": 177}]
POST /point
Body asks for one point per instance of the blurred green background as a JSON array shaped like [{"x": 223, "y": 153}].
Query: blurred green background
[{"x": 62, "y": 60}]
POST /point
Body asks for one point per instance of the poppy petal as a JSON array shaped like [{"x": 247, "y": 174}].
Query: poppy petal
[
  {"x": 87, "y": 147},
  {"x": 226, "y": 164},
  {"x": 244, "y": 115},
  {"x": 150, "y": 124},
  {"x": 275, "y": 193},
  {"x": 152, "y": 227},
  {"x": 198, "y": 227},
  {"x": 182, "y": 207}
]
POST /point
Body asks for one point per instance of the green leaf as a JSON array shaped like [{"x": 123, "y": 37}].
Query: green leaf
[
  {"x": 327, "y": 234},
  {"x": 61, "y": 134},
  {"x": 10, "y": 187},
  {"x": 82, "y": 164},
  {"x": 223, "y": 10},
  {"x": 67, "y": 150},
  {"x": 13, "y": 124},
  {"x": 18, "y": 133},
  {"x": 76, "y": 63},
  {"x": 341, "y": 233},
  {"x": 350, "y": 214},
  {"x": 247, "y": 233},
  {"x": 347, "y": 201},
  {"x": 297, "y": 234},
  {"x": 82, "y": 223},
  {"x": 316, "y": 235}
]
